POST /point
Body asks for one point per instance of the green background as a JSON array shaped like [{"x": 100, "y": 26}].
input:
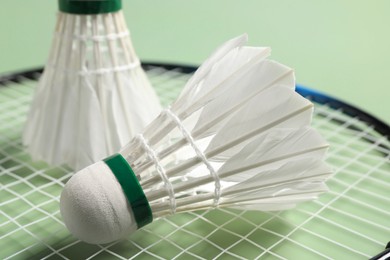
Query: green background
[{"x": 339, "y": 47}]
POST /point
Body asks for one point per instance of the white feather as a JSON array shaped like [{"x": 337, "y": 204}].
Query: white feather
[
  {"x": 280, "y": 107},
  {"x": 93, "y": 96}
]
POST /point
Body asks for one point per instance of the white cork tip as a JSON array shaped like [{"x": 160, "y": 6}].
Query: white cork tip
[{"x": 94, "y": 207}]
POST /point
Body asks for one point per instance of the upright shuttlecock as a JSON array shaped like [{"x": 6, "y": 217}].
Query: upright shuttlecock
[
  {"x": 237, "y": 136},
  {"x": 93, "y": 96}
]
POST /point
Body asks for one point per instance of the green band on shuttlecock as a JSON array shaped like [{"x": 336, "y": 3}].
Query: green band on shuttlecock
[
  {"x": 132, "y": 189},
  {"x": 89, "y": 6}
]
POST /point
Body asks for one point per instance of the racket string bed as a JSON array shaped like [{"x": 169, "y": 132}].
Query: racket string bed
[{"x": 351, "y": 219}]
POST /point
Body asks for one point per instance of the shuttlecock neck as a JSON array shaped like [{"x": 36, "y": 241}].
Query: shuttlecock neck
[
  {"x": 131, "y": 188},
  {"x": 89, "y": 6}
]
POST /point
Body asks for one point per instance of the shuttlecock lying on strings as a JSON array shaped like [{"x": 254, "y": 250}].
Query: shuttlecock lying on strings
[
  {"x": 93, "y": 96},
  {"x": 238, "y": 136}
]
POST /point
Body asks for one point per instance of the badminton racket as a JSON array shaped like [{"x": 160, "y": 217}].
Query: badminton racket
[{"x": 348, "y": 222}]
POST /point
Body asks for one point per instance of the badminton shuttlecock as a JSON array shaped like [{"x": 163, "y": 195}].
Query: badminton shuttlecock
[
  {"x": 238, "y": 136},
  {"x": 93, "y": 96}
]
